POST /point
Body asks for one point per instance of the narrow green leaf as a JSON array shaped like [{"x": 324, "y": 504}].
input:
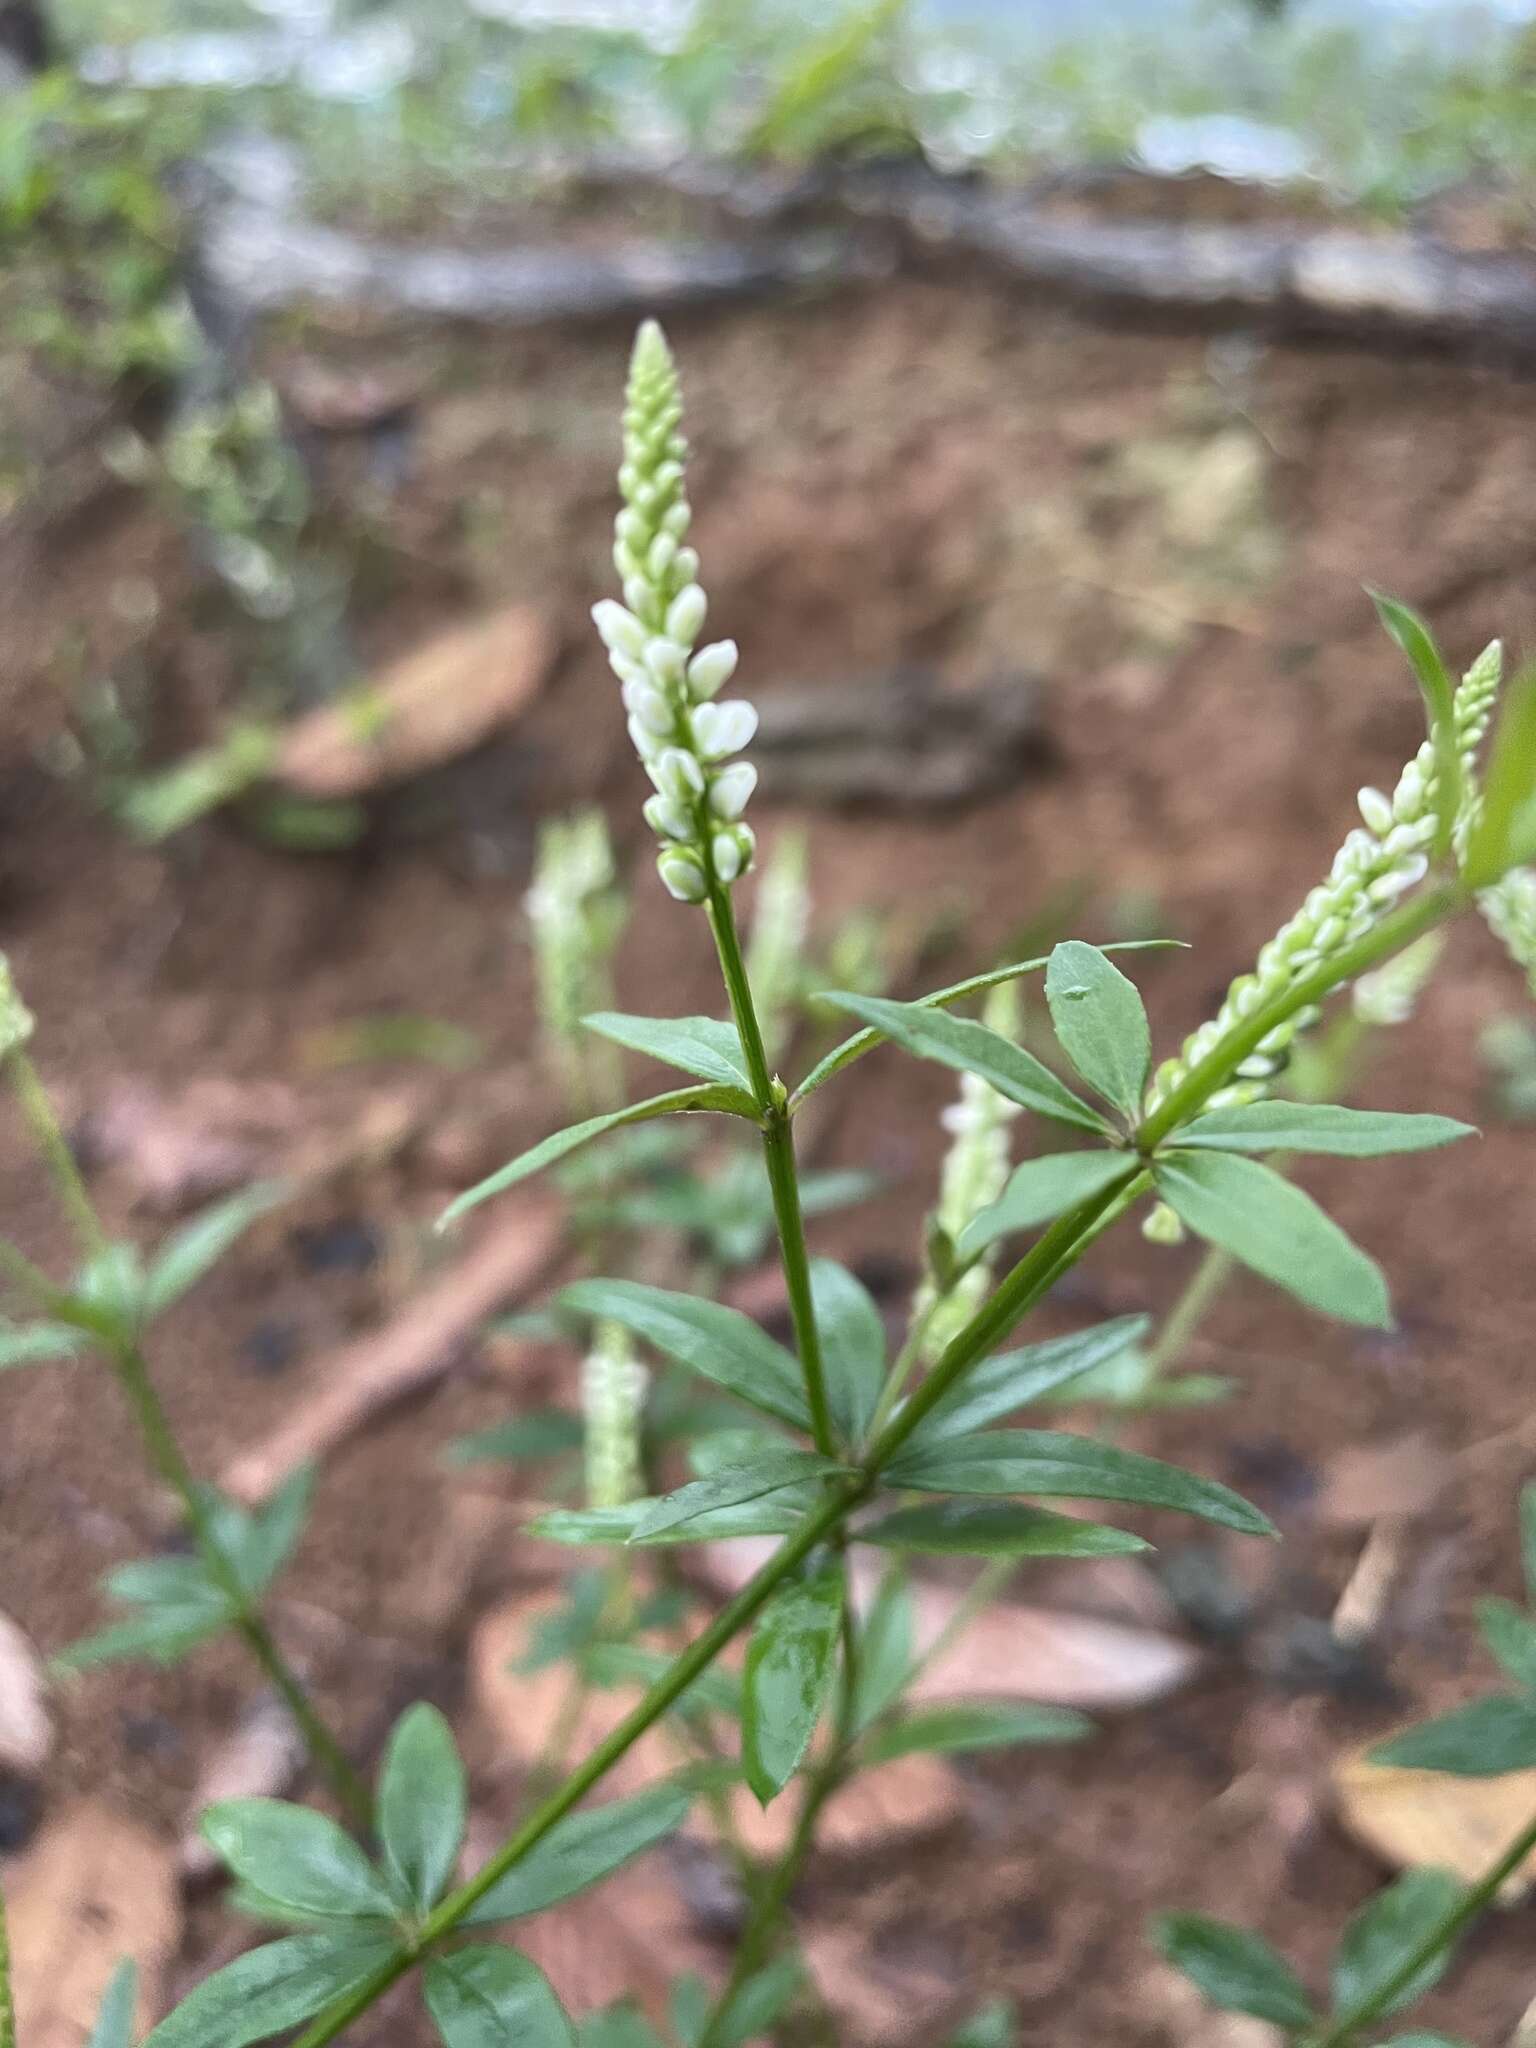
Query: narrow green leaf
[
  {"x": 1510, "y": 1634},
  {"x": 274, "y": 1532},
  {"x": 993, "y": 2025},
  {"x": 1419, "y": 2039},
  {"x": 1011, "y": 1380},
  {"x": 689, "y": 2008},
  {"x": 422, "y": 1804},
  {"x": 1439, "y": 693},
  {"x": 544, "y": 1433},
  {"x": 775, "y": 1515},
  {"x": 483, "y": 1997},
  {"x": 188, "y": 1253},
  {"x": 1237, "y": 1970},
  {"x": 1041, "y": 1189},
  {"x": 886, "y": 1648},
  {"x": 581, "y": 1850},
  {"x": 1100, "y": 1023},
  {"x": 996, "y": 1529},
  {"x": 1385, "y": 1932},
  {"x": 1270, "y": 1225},
  {"x": 987, "y": 1724},
  {"x": 1484, "y": 1740},
  {"x": 761, "y": 2002},
  {"x": 162, "y": 1636},
  {"x": 1319, "y": 1127},
  {"x": 268, "y": 1990},
  {"x": 865, "y": 1041},
  {"x": 1047, "y": 1461},
  {"x": 699, "y": 1045},
  {"x": 852, "y": 1346},
  {"x": 790, "y": 1662},
  {"x": 37, "y": 1343},
  {"x": 164, "y": 1582},
  {"x": 719, "y": 1342},
  {"x": 617, "y": 2026},
  {"x": 114, "y": 2020},
  {"x": 680, "y": 1102},
  {"x": 729, "y": 1489},
  {"x": 297, "y": 1858},
  {"x": 1504, "y": 835},
  {"x": 716, "y": 1690}
]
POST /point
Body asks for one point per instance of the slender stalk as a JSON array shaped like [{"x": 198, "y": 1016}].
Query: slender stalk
[
  {"x": 1190, "y": 1310},
  {"x": 7, "y": 2005},
  {"x": 38, "y": 1110},
  {"x": 169, "y": 1461},
  {"x": 1341, "y": 2032}
]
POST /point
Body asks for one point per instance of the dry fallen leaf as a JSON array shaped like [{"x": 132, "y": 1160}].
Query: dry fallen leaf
[
  {"x": 93, "y": 1889},
  {"x": 1414, "y": 1819},
  {"x": 1363, "y": 1483},
  {"x": 260, "y": 1759},
  {"x": 26, "y": 1727},
  {"x": 176, "y": 1149},
  {"x": 911, "y": 1795},
  {"x": 430, "y": 706}
]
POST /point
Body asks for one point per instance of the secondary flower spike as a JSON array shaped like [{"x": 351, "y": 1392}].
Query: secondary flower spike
[{"x": 670, "y": 686}]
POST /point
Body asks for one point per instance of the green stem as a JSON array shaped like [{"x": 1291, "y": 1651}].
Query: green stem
[
  {"x": 7, "y": 2006},
  {"x": 1190, "y": 1310},
  {"x": 166, "y": 1455},
  {"x": 1340, "y": 2033},
  {"x": 700, "y": 1654},
  {"x": 783, "y": 1181},
  {"x": 51, "y": 1143}
]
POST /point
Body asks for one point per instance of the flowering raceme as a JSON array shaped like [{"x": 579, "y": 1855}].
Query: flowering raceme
[{"x": 684, "y": 736}]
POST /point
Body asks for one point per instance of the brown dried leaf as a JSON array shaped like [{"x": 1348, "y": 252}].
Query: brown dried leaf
[
  {"x": 93, "y": 1889},
  {"x": 430, "y": 706},
  {"x": 1420, "y": 1819},
  {"x": 911, "y": 1796},
  {"x": 26, "y": 1726},
  {"x": 182, "y": 1148},
  {"x": 1365, "y": 1483}
]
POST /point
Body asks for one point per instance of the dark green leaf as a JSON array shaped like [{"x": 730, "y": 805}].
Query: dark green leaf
[
  {"x": 680, "y": 1102},
  {"x": 729, "y": 1489},
  {"x": 1504, "y": 834},
  {"x": 37, "y": 1343},
  {"x": 689, "y": 2008},
  {"x": 699, "y": 1045},
  {"x": 543, "y": 1434},
  {"x": 1484, "y": 1740},
  {"x": 790, "y": 1661},
  {"x": 1041, "y": 1189},
  {"x": 852, "y": 1346},
  {"x": 1439, "y": 693},
  {"x": 1319, "y": 1127},
  {"x": 297, "y": 1858},
  {"x": 582, "y": 1849},
  {"x": 1236, "y": 1970},
  {"x": 422, "y": 1805},
  {"x": 114, "y": 2021},
  {"x": 1100, "y": 1023},
  {"x": 482, "y": 1997},
  {"x": 1510, "y": 1634},
  {"x": 721, "y": 1343},
  {"x": 617, "y": 2026},
  {"x": 986, "y": 1528},
  {"x": 1046, "y": 1461},
  {"x": 274, "y": 1533},
  {"x": 988, "y": 1724},
  {"x": 271, "y": 1989},
  {"x": 1011, "y": 1380},
  {"x": 970, "y": 1048},
  {"x": 886, "y": 1651},
  {"x": 188, "y": 1253},
  {"x": 717, "y": 1690},
  {"x": 1261, "y": 1219},
  {"x": 761, "y": 2002},
  {"x": 775, "y": 1515},
  {"x": 1386, "y": 1932}
]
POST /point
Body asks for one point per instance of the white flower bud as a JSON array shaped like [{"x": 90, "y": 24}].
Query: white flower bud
[
  {"x": 685, "y": 614},
  {"x": 619, "y": 630},
  {"x": 659, "y": 560},
  {"x": 1376, "y": 809},
  {"x": 16, "y": 1020},
  {"x": 712, "y": 668},
  {"x": 648, "y": 745},
  {"x": 1162, "y": 1226},
  {"x": 686, "y": 567},
  {"x": 637, "y": 595},
  {"x": 653, "y": 711},
  {"x": 677, "y": 774},
  {"x": 682, "y": 874},
  {"x": 726, "y": 855},
  {"x": 731, "y": 788},
  {"x": 633, "y": 531},
  {"x": 722, "y": 729},
  {"x": 666, "y": 660},
  {"x": 678, "y": 519},
  {"x": 668, "y": 818}
]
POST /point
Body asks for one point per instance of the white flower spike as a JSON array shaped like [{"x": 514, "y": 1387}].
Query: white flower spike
[{"x": 684, "y": 738}]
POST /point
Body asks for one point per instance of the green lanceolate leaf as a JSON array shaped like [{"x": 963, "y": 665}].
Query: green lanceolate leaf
[
  {"x": 852, "y": 1346},
  {"x": 617, "y": 2026},
  {"x": 543, "y": 1434},
  {"x": 1484, "y": 1740},
  {"x": 1419, "y": 2039},
  {"x": 970, "y": 1048},
  {"x": 1050, "y": 1462},
  {"x": 298, "y": 1859},
  {"x": 680, "y": 1102},
  {"x": 774, "y": 1515},
  {"x": 1100, "y": 1023},
  {"x": 1318, "y": 1127},
  {"x": 1011, "y": 1380},
  {"x": 699, "y": 1045},
  {"x": 188, "y": 1253},
  {"x": 1510, "y": 1634},
  {"x": 1270, "y": 1225},
  {"x": 991, "y": 2026},
  {"x": 886, "y": 1648},
  {"x": 271, "y": 1989},
  {"x": 761, "y": 2002},
  {"x": 790, "y": 1662},
  {"x": 114, "y": 2021},
  {"x": 716, "y": 1690},
  {"x": 721, "y": 1343},
  {"x": 985, "y": 1528},
  {"x": 37, "y": 1343},
  {"x": 1386, "y": 1931},
  {"x": 1236, "y": 1970},
  {"x": 1042, "y": 1189},
  {"x": 270, "y": 1538},
  {"x": 422, "y": 1805},
  {"x": 986, "y": 1724},
  {"x": 162, "y": 1635},
  {"x": 1439, "y": 693},
  {"x": 730, "y": 1489},
  {"x": 1504, "y": 834},
  {"x": 581, "y": 1850},
  {"x": 482, "y": 1997}
]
